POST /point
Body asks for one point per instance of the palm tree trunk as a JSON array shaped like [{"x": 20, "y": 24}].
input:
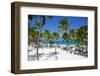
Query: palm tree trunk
[
  {"x": 38, "y": 40},
  {"x": 38, "y": 46}
]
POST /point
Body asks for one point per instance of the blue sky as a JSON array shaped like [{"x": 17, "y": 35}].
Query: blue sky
[{"x": 53, "y": 23}]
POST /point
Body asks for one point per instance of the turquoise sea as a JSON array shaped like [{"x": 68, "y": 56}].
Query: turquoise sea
[{"x": 59, "y": 42}]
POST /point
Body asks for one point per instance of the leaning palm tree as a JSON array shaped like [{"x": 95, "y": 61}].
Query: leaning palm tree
[
  {"x": 39, "y": 24},
  {"x": 55, "y": 37}
]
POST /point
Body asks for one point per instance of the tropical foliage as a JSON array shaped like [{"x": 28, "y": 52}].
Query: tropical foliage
[
  {"x": 82, "y": 35},
  {"x": 38, "y": 27},
  {"x": 35, "y": 33},
  {"x": 64, "y": 25},
  {"x": 55, "y": 37}
]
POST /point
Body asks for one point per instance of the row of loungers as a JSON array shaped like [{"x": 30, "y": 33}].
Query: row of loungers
[{"x": 77, "y": 50}]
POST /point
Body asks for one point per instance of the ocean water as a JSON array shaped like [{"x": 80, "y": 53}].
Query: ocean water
[{"x": 59, "y": 42}]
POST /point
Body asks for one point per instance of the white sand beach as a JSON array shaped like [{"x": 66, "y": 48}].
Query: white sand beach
[{"x": 49, "y": 54}]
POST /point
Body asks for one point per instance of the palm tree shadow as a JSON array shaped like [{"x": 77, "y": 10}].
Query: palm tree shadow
[
  {"x": 51, "y": 54},
  {"x": 34, "y": 57}
]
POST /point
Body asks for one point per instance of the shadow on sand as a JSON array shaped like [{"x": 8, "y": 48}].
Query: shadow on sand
[{"x": 41, "y": 55}]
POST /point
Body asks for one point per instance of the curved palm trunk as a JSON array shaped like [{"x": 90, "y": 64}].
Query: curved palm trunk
[
  {"x": 38, "y": 44},
  {"x": 38, "y": 40}
]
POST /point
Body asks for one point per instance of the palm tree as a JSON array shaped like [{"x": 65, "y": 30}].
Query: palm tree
[
  {"x": 64, "y": 25},
  {"x": 65, "y": 37},
  {"x": 55, "y": 37},
  {"x": 81, "y": 35},
  {"x": 64, "y": 28},
  {"x": 72, "y": 34},
  {"x": 32, "y": 35},
  {"x": 39, "y": 25},
  {"x": 47, "y": 36}
]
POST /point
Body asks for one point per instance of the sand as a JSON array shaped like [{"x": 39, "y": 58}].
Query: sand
[{"x": 49, "y": 54}]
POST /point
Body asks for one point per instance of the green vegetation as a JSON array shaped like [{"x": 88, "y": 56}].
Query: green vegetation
[
  {"x": 38, "y": 27},
  {"x": 55, "y": 37},
  {"x": 82, "y": 35},
  {"x": 35, "y": 34}
]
